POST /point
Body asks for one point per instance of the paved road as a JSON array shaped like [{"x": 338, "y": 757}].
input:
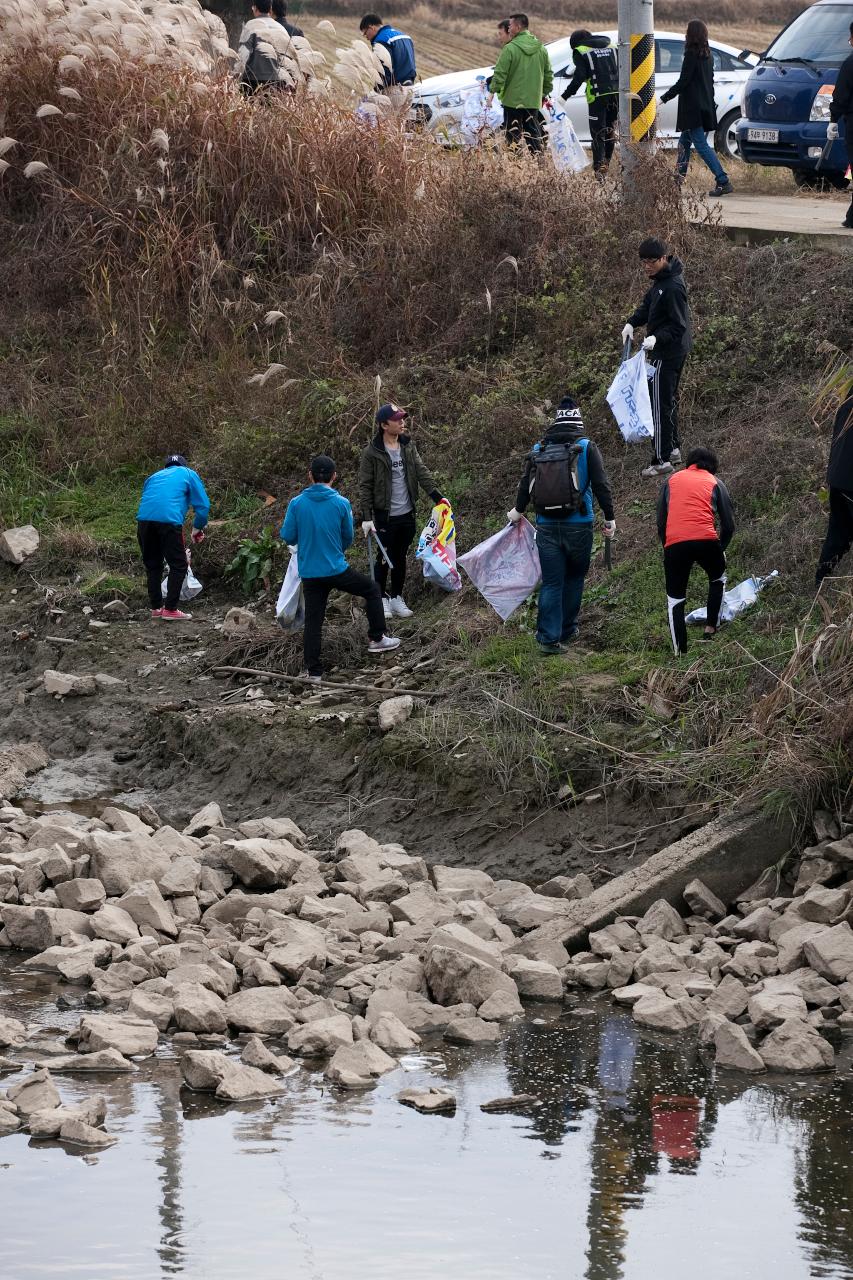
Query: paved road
[{"x": 775, "y": 217}]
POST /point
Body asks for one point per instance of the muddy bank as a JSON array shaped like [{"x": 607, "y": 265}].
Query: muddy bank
[{"x": 172, "y": 730}]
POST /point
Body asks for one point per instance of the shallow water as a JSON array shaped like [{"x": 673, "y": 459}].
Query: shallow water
[{"x": 633, "y": 1163}]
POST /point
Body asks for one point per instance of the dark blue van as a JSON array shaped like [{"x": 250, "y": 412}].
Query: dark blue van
[{"x": 785, "y": 106}]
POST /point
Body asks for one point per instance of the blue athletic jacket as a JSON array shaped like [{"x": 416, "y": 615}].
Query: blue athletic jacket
[
  {"x": 169, "y": 494},
  {"x": 319, "y": 522},
  {"x": 402, "y": 52}
]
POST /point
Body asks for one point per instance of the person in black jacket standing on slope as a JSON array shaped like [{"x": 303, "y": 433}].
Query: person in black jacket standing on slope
[
  {"x": 841, "y": 108},
  {"x": 597, "y": 67},
  {"x": 697, "y": 110},
  {"x": 839, "y": 478},
  {"x": 666, "y": 314}
]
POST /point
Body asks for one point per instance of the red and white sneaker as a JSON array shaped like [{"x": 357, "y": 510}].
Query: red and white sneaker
[
  {"x": 157, "y": 613},
  {"x": 175, "y": 615}
]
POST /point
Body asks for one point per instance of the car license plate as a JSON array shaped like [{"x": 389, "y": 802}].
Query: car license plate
[{"x": 762, "y": 135}]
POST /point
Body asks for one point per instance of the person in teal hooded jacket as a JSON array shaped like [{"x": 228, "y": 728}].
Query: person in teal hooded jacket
[
  {"x": 167, "y": 496},
  {"x": 318, "y": 524},
  {"x": 522, "y": 80}
]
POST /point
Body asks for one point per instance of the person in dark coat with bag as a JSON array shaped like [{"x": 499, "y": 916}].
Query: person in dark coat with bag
[
  {"x": 839, "y": 479},
  {"x": 697, "y": 110}
]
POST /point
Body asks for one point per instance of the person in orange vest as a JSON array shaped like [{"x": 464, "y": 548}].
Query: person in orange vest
[{"x": 690, "y": 506}]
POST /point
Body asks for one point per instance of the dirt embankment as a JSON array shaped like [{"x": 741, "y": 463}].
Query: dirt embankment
[{"x": 174, "y": 731}]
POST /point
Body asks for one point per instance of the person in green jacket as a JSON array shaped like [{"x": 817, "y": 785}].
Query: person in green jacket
[{"x": 522, "y": 80}]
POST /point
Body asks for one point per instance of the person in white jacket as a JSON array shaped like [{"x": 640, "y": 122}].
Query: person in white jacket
[{"x": 272, "y": 40}]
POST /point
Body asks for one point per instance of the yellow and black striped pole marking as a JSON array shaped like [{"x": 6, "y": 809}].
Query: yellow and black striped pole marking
[{"x": 642, "y": 88}]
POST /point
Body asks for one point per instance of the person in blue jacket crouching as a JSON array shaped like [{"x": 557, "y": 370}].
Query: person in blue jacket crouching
[{"x": 166, "y": 498}]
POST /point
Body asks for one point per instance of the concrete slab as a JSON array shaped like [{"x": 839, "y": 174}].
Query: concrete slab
[
  {"x": 726, "y": 854},
  {"x": 815, "y": 220}
]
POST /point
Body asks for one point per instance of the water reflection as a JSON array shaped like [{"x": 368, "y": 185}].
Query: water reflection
[{"x": 633, "y": 1164}]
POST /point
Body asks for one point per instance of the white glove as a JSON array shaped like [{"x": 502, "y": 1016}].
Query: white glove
[
  {"x": 367, "y": 527},
  {"x": 291, "y": 546},
  {"x": 831, "y": 132},
  {"x": 627, "y": 332},
  {"x": 514, "y": 516},
  {"x": 649, "y": 342},
  {"x": 610, "y": 528}
]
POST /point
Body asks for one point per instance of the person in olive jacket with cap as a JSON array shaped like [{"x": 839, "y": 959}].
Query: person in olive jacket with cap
[
  {"x": 389, "y": 476},
  {"x": 697, "y": 110}
]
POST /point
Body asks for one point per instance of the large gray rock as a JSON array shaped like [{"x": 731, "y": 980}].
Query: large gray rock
[
  {"x": 831, "y": 953},
  {"x": 120, "y": 861},
  {"x": 756, "y": 926},
  {"x": 796, "y": 1046},
  {"x": 47, "y": 1124},
  {"x": 19, "y": 543},
  {"x": 214, "y": 1072},
  {"x": 32, "y": 928},
  {"x": 702, "y": 902},
  {"x": 101, "y": 1062},
  {"x": 824, "y": 905},
  {"x": 12, "y": 1032},
  {"x": 572, "y": 888},
  {"x": 392, "y": 1035},
  {"x": 207, "y": 817},
  {"x": 355, "y": 1066},
  {"x": 182, "y": 878},
  {"x": 472, "y": 1031},
  {"x": 295, "y": 957},
  {"x": 150, "y": 1006},
  {"x": 661, "y": 920},
  {"x": 273, "y": 829},
  {"x": 256, "y": 1054},
  {"x": 457, "y": 978},
  {"x": 35, "y": 1092},
  {"x": 109, "y": 1031},
  {"x": 114, "y": 924},
  {"x": 768, "y": 1009},
  {"x": 64, "y": 684},
  {"x": 730, "y": 998},
  {"x": 395, "y": 711},
  {"x": 501, "y": 1006},
  {"x": 733, "y": 1049},
  {"x": 432, "y": 1101},
  {"x": 198, "y": 1009},
  {"x": 263, "y": 1010},
  {"x": 660, "y": 1013},
  {"x": 81, "y": 895},
  {"x": 536, "y": 980},
  {"x": 148, "y": 909},
  {"x": 79, "y": 1134},
  {"x": 458, "y": 938},
  {"x": 459, "y": 882},
  {"x": 321, "y": 1037}
]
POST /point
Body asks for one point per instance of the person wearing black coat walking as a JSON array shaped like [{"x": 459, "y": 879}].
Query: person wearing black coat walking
[
  {"x": 841, "y": 110},
  {"x": 697, "y": 110},
  {"x": 839, "y": 479}
]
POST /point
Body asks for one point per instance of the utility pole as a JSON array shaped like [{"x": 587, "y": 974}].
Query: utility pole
[{"x": 637, "y": 108}]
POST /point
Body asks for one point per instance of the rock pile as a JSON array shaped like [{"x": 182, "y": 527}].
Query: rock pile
[{"x": 238, "y": 937}]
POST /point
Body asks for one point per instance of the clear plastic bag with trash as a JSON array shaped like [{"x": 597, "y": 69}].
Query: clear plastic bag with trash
[
  {"x": 190, "y": 588},
  {"x": 736, "y": 600},
  {"x": 505, "y": 568},
  {"x": 630, "y": 401},
  {"x": 290, "y": 606},
  {"x": 564, "y": 144}
]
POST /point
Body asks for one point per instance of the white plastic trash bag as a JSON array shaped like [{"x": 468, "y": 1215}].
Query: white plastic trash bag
[
  {"x": 505, "y": 568},
  {"x": 437, "y": 549},
  {"x": 191, "y": 585},
  {"x": 564, "y": 144},
  {"x": 629, "y": 399},
  {"x": 290, "y": 607},
  {"x": 479, "y": 120},
  {"x": 736, "y": 600}
]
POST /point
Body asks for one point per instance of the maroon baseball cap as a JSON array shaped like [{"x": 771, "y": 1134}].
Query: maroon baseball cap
[{"x": 390, "y": 413}]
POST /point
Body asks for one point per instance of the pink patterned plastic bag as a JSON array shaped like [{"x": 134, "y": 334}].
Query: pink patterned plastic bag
[{"x": 505, "y": 568}]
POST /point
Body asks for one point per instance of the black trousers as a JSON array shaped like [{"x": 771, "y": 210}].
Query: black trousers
[
  {"x": 159, "y": 541},
  {"x": 603, "y": 114},
  {"x": 663, "y": 389},
  {"x": 524, "y": 124},
  {"x": 678, "y": 560},
  {"x": 316, "y": 592},
  {"x": 839, "y": 532},
  {"x": 396, "y": 533}
]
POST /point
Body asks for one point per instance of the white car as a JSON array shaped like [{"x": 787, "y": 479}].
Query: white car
[{"x": 441, "y": 98}]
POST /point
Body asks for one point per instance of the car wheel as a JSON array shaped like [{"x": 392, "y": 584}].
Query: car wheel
[
  {"x": 813, "y": 180},
  {"x": 725, "y": 139}
]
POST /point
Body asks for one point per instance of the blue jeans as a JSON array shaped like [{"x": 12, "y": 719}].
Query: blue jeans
[
  {"x": 698, "y": 138},
  {"x": 565, "y": 550}
]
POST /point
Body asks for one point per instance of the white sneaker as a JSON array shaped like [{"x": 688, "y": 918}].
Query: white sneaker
[
  {"x": 675, "y": 457},
  {"x": 385, "y": 645},
  {"x": 399, "y": 608},
  {"x": 657, "y": 469},
  {"x": 386, "y": 605}
]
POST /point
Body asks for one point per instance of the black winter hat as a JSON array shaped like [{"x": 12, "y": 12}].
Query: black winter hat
[{"x": 568, "y": 413}]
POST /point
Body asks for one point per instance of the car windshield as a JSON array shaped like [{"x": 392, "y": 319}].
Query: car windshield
[{"x": 820, "y": 34}]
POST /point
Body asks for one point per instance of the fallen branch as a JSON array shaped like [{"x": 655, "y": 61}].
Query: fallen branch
[{"x": 328, "y": 684}]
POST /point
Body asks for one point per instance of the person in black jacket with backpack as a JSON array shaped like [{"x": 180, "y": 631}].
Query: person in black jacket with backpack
[
  {"x": 697, "y": 110},
  {"x": 665, "y": 312},
  {"x": 596, "y": 66},
  {"x": 561, "y": 474},
  {"x": 839, "y": 479}
]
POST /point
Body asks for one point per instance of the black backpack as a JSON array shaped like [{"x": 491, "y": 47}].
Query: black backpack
[
  {"x": 554, "y": 482},
  {"x": 262, "y": 65},
  {"x": 604, "y": 70}
]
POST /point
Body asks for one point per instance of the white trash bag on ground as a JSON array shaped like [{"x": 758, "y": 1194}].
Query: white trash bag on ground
[
  {"x": 191, "y": 586},
  {"x": 479, "y": 120},
  {"x": 630, "y": 401},
  {"x": 505, "y": 568},
  {"x": 290, "y": 607},
  {"x": 564, "y": 143},
  {"x": 736, "y": 600}
]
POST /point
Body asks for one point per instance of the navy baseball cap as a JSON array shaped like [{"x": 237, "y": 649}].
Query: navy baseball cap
[
  {"x": 390, "y": 413},
  {"x": 176, "y": 460}
]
